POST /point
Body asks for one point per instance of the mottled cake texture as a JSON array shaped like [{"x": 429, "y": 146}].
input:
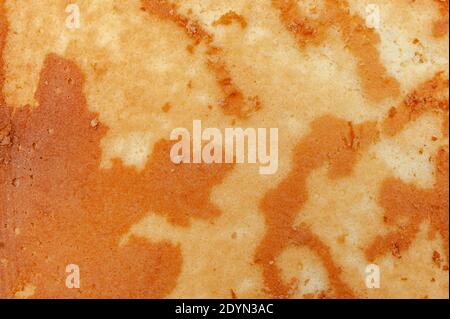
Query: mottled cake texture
[{"x": 358, "y": 90}]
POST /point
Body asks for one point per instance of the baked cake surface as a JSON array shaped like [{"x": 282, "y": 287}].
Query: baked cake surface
[{"x": 357, "y": 89}]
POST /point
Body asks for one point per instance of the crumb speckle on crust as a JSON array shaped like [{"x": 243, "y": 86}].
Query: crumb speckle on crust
[{"x": 229, "y": 17}]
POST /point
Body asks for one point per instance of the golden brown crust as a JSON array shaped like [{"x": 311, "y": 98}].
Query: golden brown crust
[
  {"x": 229, "y": 17},
  {"x": 199, "y": 230},
  {"x": 233, "y": 102},
  {"x": 440, "y": 26},
  {"x": 358, "y": 38},
  {"x": 331, "y": 140},
  {"x": 406, "y": 207}
]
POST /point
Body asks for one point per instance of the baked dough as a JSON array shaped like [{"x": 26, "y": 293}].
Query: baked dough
[{"x": 357, "y": 89}]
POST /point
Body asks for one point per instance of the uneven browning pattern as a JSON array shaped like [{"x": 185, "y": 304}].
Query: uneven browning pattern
[
  {"x": 233, "y": 102},
  {"x": 358, "y": 38},
  {"x": 407, "y": 207},
  {"x": 332, "y": 140},
  {"x": 86, "y": 178},
  {"x": 440, "y": 27},
  {"x": 338, "y": 142},
  {"x": 51, "y": 159}
]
